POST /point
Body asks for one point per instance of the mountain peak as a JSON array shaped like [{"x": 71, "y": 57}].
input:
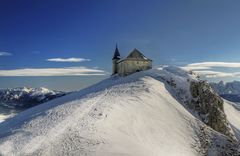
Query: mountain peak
[
  {"x": 146, "y": 113},
  {"x": 27, "y": 97}
]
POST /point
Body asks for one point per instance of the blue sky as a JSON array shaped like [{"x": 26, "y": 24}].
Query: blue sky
[{"x": 78, "y": 37}]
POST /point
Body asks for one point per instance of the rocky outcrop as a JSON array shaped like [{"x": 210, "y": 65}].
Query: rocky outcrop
[
  {"x": 210, "y": 143},
  {"x": 209, "y": 107}
]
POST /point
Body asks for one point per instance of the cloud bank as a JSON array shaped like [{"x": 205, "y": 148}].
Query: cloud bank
[
  {"x": 2, "y": 53},
  {"x": 67, "y": 71},
  {"x": 208, "y": 65},
  {"x": 216, "y": 74},
  {"x": 72, "y": 59},
  {"x": 208, "y": 69}
]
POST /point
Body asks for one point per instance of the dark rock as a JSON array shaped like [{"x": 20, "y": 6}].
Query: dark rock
[{"x": 209, "y": 105}]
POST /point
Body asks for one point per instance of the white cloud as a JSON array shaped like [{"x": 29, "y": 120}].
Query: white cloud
[
  {"x": 205, "y": 65},
  {"x": 214, "y": 74},
  {"x": 209, "y": 70},
  {"x": 67, "y": 71},
  {"x": 2, "y": 53},
  {"x": 72, "y": 59},
  {"x": 195, "y": 68}
]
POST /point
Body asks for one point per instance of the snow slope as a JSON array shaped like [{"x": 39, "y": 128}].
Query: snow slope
[
  {"x": 132, "y": 116},
  {"x": 232, "y": 111}
]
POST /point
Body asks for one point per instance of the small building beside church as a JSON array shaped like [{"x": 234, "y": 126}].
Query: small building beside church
[{"x": 134, "y": 62}]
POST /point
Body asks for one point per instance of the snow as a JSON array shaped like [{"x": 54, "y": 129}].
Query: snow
[
  {"x": 233, "y": 115},
  {"x": 135, "y": 115},
  {"x": 33, "y": 91},
  {"x": 13, "y": 100},
  {"x": 4, "y": 117},
  {"x": 226, "y": 88},
  {"x": 41, "y": 91},
  {"x": 23, "y": 89}
]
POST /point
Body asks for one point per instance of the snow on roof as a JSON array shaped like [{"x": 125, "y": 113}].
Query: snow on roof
[{"x": 136, "y": 54}]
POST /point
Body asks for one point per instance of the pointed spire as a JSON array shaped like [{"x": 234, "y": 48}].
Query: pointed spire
[{"x": 116, "y": 54}]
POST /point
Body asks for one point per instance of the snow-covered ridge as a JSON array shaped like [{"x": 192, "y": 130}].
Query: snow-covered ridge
[
  {"x": 27, "y": 97},
  {"x": 143, "y": 114}
]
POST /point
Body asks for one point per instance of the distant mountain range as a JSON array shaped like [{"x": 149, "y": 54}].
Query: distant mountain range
[
  {"x": 229, "y": 90},
  {"x": 24, "y": 97}
]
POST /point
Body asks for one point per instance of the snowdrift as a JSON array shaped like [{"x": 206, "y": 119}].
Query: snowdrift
[
  {"x": 232, "y": 111},
  {"x": 137, "y": 115}
]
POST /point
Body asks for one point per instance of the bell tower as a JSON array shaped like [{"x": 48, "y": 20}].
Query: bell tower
[{"x": 115, "y": 59}]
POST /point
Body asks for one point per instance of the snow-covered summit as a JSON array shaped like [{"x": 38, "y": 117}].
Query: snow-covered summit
[
  {"x": 27, "y": 97},
  {"x": 146, "y": 113}
]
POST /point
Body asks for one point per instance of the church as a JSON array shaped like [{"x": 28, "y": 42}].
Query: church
[{"x": 134, "y": 62}]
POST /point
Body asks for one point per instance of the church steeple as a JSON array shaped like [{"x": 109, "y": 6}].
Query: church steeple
[
  {"x": 115, "y": 59},
  {"x": 116, "y": 55}
]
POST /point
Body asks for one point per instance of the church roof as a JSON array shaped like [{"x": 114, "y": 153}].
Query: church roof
[
  {"x": 136, "y": 54},
  {"x": 116, "y": 54}
]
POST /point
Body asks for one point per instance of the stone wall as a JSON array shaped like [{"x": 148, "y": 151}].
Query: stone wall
[
  {"x": 114, "y": 66},
  {"x": 131, "y": 66}
]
